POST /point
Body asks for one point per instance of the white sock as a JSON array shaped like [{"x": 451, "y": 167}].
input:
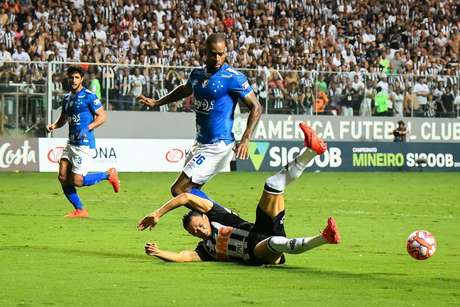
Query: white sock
[
  {"x": 291, "y": 171},
  {"x": 294, "y": 246}
]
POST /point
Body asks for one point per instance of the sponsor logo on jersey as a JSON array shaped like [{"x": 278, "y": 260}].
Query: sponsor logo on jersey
[
  {"x": 74, "y": 119},
  {"x": 246, "y": 85},
  {"x": 203, "y": 105},
  {"x": 226, "y": 76}
]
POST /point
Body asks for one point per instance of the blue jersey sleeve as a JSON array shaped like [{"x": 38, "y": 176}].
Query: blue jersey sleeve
[
  {"x": 240, "y": 86},
  {"x": 94, "y": 103}
]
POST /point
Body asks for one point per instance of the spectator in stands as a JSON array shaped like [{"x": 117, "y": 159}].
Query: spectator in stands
[
  {"x": 371, "y": 36},
  {"x": 321, "y": 100},
  {"x": 422, "y": 91},
  {"x": 94, "y": 84},
  {"x": 346, "y": 101},
  {"x": 380, "y": 102},
  {"x": 397, "y": 97}
]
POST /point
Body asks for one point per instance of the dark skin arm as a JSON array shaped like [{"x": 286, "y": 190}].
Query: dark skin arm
[
  {"x": 180, "y": 92},
  {"x": 242, "y": 148}
]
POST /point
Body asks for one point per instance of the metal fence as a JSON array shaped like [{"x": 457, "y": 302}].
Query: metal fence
[{"x": 29, "y": 91}]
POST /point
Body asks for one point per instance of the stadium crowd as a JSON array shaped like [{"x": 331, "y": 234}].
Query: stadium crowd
[{"x": 356, "y": 57}]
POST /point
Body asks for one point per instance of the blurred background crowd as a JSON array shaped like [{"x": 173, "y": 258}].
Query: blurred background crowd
[{"x": 340, "y": 57}]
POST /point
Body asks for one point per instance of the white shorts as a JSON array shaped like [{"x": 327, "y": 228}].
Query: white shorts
[
  {"x": 81, "y": 158},
  {"x": 206, "y": 160}
]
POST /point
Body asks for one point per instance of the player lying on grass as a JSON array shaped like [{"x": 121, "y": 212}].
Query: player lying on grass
[{"x": 227, "y": 237}]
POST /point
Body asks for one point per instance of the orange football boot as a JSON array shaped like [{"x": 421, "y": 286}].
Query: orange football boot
[
  {"x": 113, "y": 179},
  {"x": 78, "y": 213},
  {"x": 331, "y": 232},
  {"x": 313, "y": 141}
]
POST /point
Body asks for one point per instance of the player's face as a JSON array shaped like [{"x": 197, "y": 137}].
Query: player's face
[
  {"x": 76, "y": 82},
  {"x": 215, "y": 56},
  {"x": 199, "y": 227}
]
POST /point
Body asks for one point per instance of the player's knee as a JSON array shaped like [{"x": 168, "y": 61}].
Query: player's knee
[
  {"x": 77, "y": 180},
  {"x": 62, "y": 178}
]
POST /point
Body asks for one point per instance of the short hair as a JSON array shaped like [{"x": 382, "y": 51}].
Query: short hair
[
  {"x": 75, "y": 70},
  {"x": 216, "y": 38},
  {"x": 186, "y": 219}
]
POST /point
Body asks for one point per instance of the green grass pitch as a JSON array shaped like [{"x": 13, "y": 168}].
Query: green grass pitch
[{"x": 47, "y": 260}]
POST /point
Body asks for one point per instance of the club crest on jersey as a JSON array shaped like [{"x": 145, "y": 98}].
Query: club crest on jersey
[{"x": 205, "y": 82}]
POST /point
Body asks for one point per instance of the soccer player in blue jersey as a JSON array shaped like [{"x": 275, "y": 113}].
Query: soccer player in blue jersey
[
  {"x": 227, "y": 237},
  {"x": 84, "y": 112},
  {"x": 217, "y": 87}
]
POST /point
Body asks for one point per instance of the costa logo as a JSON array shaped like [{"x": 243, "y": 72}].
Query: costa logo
[
  {"x": 54, "y": 155},
  {"x": 174, "y": 155}
]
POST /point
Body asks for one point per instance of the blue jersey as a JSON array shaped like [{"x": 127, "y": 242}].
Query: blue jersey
[
  {"x": 80, "y": 109},
  {"x": 216, "y": 97}
]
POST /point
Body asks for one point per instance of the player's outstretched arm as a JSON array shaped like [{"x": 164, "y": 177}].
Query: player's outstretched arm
[
  {"x": 152, "y": 249},
  {"x": 180, "y": 92},
  {"x": 242, "y": 148},
  {"x": 192, "y": 201}
]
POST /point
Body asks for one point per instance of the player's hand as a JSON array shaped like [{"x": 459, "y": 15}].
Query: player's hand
[
  {"x": 151, "y": 249},
  {"x": 149, "y": 102},
  {"x": 242, "y": 149},
  {"x": 148, "y": 222},
  {"x": 50, "y": 127},
  {"x": 83, "y": 132}
]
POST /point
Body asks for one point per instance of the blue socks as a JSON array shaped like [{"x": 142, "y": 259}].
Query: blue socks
[
  {"x": 71, "y": 194},
  {"x": 199, "y": 193},
  {"x": 94, "y": 178}
]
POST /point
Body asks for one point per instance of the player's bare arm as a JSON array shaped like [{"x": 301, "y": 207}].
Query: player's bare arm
[
  {"x": 152, "y": 249},
  {"x": 242, "y": 148},
  {"x": 192, "y": 201},
  {"x": 58, "y": 123},
  {"x": 180, "y": 92},
  {"x": 99, "y": 119}
]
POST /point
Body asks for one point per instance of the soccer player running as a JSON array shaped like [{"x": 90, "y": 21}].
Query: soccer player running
[
  {"x": 227, "y": 237},
  {"x": 84, "y": 112},
  {"x": 217, "y": 87}
]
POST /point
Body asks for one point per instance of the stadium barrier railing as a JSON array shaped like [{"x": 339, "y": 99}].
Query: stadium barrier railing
[{"x": 29, "y": 91}]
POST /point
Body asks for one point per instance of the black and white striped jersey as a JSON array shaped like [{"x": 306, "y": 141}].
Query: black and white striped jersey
[{"x": 229, "y": 238}]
